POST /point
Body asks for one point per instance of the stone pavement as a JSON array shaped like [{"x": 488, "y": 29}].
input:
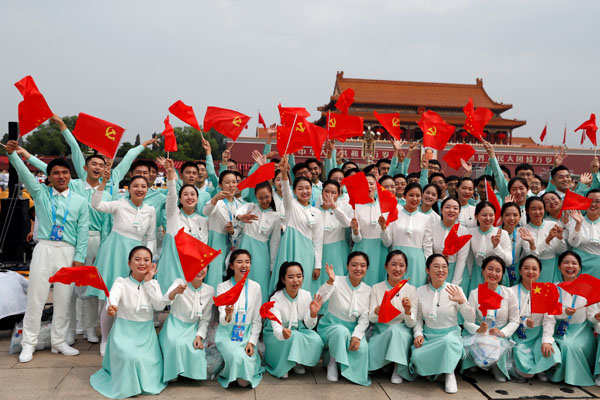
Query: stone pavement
[{"x": 51, "y": 376}]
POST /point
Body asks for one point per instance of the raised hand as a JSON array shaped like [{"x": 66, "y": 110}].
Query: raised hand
[
  {"x": 284, "y": 166},
  {"x": 150, "y": 141},
  {"x": 258, "y": 157},
  {"x": 179, "y": 289},
  {"x": 315, "y": 305},
  {"x": 586, "y": 178},
  {"x": 330, "y": 273},
  {"x": 455, "y": 294},
  {"x": 406, "y": 305},
  {"x": 58, "y": 121},
  {"x": 247, "y": 218},
  {"x": 577, "y": 216},
  {"x": 595, "y": 165},
  {"x": 468, "y": 167},
  {"x": 150, "y": 274},
  {"x": 488, "y": 148},
  {"x": 11, "y": 146},
  {"x": 496, "y": 238},
  {"x": 206, "y": 146},
  {"x": 528, "y": 237}
]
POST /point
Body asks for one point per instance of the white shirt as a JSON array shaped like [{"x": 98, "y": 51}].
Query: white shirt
[
  {"x": 588, "y": 237},
  {"x": 439, "y": 232},
  {"x": 267, "y": 228},
  {"x": 136, "y": 301},
  {"x": 482, "y": 247},
  {"x": 335, "y": 222},
  {"x": 290, "y": 311},
  {"x": 582, "y": 314},
  {"x": 523, "y": 297},
  {"x": 543, "y": 250},
  {"x": 506, "y": 318},
  {"x": 410, "y": 230},
  {"x": 252, "y": 313},
  {"x": 221, "y": 214},
  {"x": 467, "y": 216},
  {"x": 437, "y": 311},
  {"x": 367, "y": 216},
  {"x": 193, "y": 305},
  {"x": 348, "y": 303},
  {"x": 408, "y": 290},
  {"x": 194, "y": 224}
]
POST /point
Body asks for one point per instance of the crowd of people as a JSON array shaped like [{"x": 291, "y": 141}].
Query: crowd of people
[{"x": 326, "y": 265}]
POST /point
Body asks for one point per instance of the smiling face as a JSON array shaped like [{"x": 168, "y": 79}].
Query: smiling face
[
  {"x": 492, "y": 273},
  {"x": 594, "y": 209},
  {"x": 518, "y": 191},
  {"x": 450, "y": 211},
  {"x": 552, "y": 203},
  {"x": 396, "y": 268},
  {"x": 189, "y": 175},
  {"x": 357, "y": 268},
  {"x": 95, "y": 167},
  {"x": 264, "y": 198},
  {"x": 536, "y": 212},
  {"x": 485, "y": 218},
  {"x": 59, "y": 178},
  {"x": 384, "y": 168},
  {"x": 337, "y": 177},
  {"x": 430, "y": 196},
  {"x": 511, "y": 217},
  {"x": 437, "y": 270},
  {"x": 293, "y": 279},
  {"x": 303, "y": 192},
  {"x": 315, "y": 171},
  {"x": 440, "y": 182},
  {"x": 562, "y": 180},
  {"x": 526, "y": 174},
  {"x": 138, "y": 189},
  {"x": 389, "y": 185},
  {"x": 140, "y": 263},
  {"x": 330, "y": 191},
  {"x": 413, "y": 199},
  {"x": 229, "y": 184},
  {"x": 569, "y": 267},
  {"x": 140, "y": 170},
  {"x": 400, "y": 186},
  {"x": 530, "y": 271},
  {"x": 465, "y": 191},
  {"x": 189, "y": 197},
  {"x": 535, "y": 185},
  {"x": 240, "y": 266}
]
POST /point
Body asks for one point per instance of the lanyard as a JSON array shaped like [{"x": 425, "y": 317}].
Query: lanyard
[
  {"x": 572, "y": 302},
  {"x": 53, "y": 203},
  {"x": 245, "y": 305},
  {"x": 228, "y": 208},
  {"x": 528, "y": 302}
]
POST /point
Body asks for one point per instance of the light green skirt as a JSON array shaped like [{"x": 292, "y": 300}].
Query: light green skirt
[
  {"x": 590, "y": 263},
  {"x": 578, "y": 349},
  {"x": 415, "y": 273},
  {"x": 169, "y": 266},
  {"x": 377, "y": 253},
  {"x": 335, "y": 254},
  {"x": 390, "y": 343},
  {"x": 440, "y": 353},
  {"x": 261, "y": 263},
  {"x": 550, "y": 271},
  {"x": 527, "y": 353},
  {"x": 294, "y": 246},
  {"x": 237, "y": 363},
  {"x": 216, "y": 269}
]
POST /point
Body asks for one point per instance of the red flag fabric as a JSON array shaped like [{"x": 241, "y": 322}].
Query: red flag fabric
[
  {"x": 584, "y": 285},
  {"x": 387, "y": 311},
  {"x": 387, "y": 203},
  {"x": 590, "y": 128},
  {"x": 266, "y": 313},
  {"x": 582, "y": 137},
  {"x": 455, "y": 154},
  {"x": 436, "y": 132},
  {"x": 86, "y": 275},
  {"x": 169, "y": 135},
  {"x": 184, "y": 113},
  {"x": 232, "y": 295},
  {"x": 357, "y": 187},
  {"x": 317, "y": 136},
  {"x": 565, "y": 135},
  {"x": 194, "y": 255},
  {"x": 263, "y": 173},
  {"x": 476, "y": 119},
  {"x": 487, "y": 299},
  {"x": 229, "y": 123},
  {"x": 545, "y": 298},
  {"x": 543, "y": 135},
  {"x": 99, "y": 134},
  {"x": 491, "y": 197},
  {"x": 345, "y": 100},
  {"x": 262, "y": 121},
  {"x": 391, "y": 123},
  {"x": 453, "y": 243},
  {"x": 33, "y": 110},
  {"x": 292, "y": 136},
  {"x": 300, "y": 111},
  {"x": 574, "y": 201},
  {"x": 344, "y": 126}
]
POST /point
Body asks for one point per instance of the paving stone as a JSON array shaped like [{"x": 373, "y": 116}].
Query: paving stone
[
  {"x": 47, "y": 359},
  {"x": 325, "y": 392},
  {"x": 426, "y": 389}
]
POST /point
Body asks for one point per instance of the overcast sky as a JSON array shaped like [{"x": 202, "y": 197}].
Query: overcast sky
[{"x": 127, "y": 61}]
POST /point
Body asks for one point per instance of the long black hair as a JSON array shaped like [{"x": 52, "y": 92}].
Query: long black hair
[
  {"x": 266, "y": 185},
  {"x": 234, "y": 254},
  {"x": 282, "y": 271}
]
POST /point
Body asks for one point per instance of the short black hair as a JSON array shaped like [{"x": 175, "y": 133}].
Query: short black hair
[
  {"x": 188, "y": 164},
  {"x": 333, "y": 171},
  {"x": 298, "y": 167},
  {"x": 201, "y": 162},
  {"x": 450, "y": 178},
  {"x": 435, "y": 162},
  {"x": 367, "y": 170},
  {"x": 351, "y": 171},
  {"x": 384, "y": 178},
  {"x": 504, "y": 168},
  {"x": 383, "y": 160},
  {"x": 314, "y": 160},
  {"x": 517, "y": 179},
  {"x": 413, "y": 175},
  {"x": 435, "y": 175},
  {"x": 95, "y": 155},
  {"x": 151, "y": 165},
  {"x": 58, "y": 162},
  {"x": 488, "y": 178},
  {"x": 523, "y": 167},
  {"x": 138, "y": 163},
  {"x": 556, "y": 170}
]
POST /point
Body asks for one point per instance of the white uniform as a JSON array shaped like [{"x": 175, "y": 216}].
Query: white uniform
[
  {"x": 506, "y": 318},
  {"x": 193, "y": 305},
  {"x": 253, "y": 312},
  {"x": 194, "y": 224},
  {"x": 348, "y": 303},
  {"x": 437, "y": 311},
  {"x": 408, "y": 290},
  {"x": 439, "y": 232},
  {"x": 290, "y": 312}
]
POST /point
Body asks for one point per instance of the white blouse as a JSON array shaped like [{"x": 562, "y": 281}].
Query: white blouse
[
  {"x": 482, "y": 247},
  {"x": 136, "y": 301},
  {"x": 267, "y": 228},
  {"x": 408, "y": 290},
  {"x": 410, "y": 230},
  {"x": 543, "y": 250},
  {"x": 251, "y": 312},
  {"x": 588, "y": 237},
  {"x": 367, "y": 216},
  {"x": 221, "y": 214},
  {"x": 582, "y": 314},
  {"x": 193, "y": 305},
  {"x": 506, "y": 318},
  {"x": 523, "y": 297},
  {"x": 195, "y": 224},
  {"x": 290, "y": 311},
  {"x": 348, "y": 303},
  {"x": 437, "y": 311},
  {"x": 335, "y": 222},
  {"x": 439, "y": 231},
  {"x": 466, "y": 217}
]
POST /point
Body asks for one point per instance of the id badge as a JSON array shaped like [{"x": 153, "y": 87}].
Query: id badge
[
  {"x": 561, "y": 327},
  {"x": 56, "y": 233},
  {"x": 521, "y": 332},
  {"x": 237, "y": 333}
]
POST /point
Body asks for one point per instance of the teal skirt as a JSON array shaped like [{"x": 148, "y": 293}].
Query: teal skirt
[
  {"x": 169, "y": 266},
  {"x": 304, "y": 347},
  {"x": 294, "y": 246},
  {"x": 590, "y": 263},
  {"x": 336, "y": 335},
  {"x": 335, "y": 254},
  {"x": 216, "y": 269},
  {"x": 132, "y": 363},
  {"x": 237, "y": 363},
  {"x": 112, "y": 261},
  {"x": 415, "y": 273},
  {"x": 180, "y": 357},
  {"x": 377, "y": 253},
  {"x": 506, "y": 280},
  {"x": 475, "y": 279},
  {"x": 451, "y": 268},
  {"x": 390, "y": 343},
  {"x": 527, "y": 353},
  {"x": 440, "y": 353},
  {"x": 578, "y": 349},
  {"x": 261, "y": 263},
  {"x": 550, "y": 272}
]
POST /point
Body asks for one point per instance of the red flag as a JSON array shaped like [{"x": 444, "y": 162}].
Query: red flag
[
  {"x": 565, "y": 135},
  {"x": 387, "y": 203},
  {"x": 229, "y": 123},
  {"x": 266, "y": 313},
  {"x": 261, "y": 121},
  {"x": 357, "y": 187},
  {"x": 229, "y": 297},
  {"x": 344, "y": 126},
  {"x": 391, "y": 123},
  {"x": 491, "y": 197},
  {"x": 544, "y": 299},
  {"x": 453, "y": 243},
  {"x": 436, "y": 132},
  {"x": 33, "y": 110},
  {"x": 590, "y": 128},
  {"x": 184, "y": 113},
  {"x": 387, "y": 311},
  {"x": 476, "y": 119},
  {"x": 455, "y": 154},
  {"x": 86, "y": 275},
  {"x": 169, "y": 134},
  {"x": 543, "y": 135},
  {"x": 585, "y": 286},
  {"x": 101, "y": 135},
  {"x": 317, "y": 136},
  {"x": 300, "y": 111},
  {"x": 194, "y": 255},
  {"x": 293, "y": 135},
  {"x": 263, "y": 173},
  {"x": 574, "y": 201},
  {"x": 345, "y": 100},
  {"x": 487, "y": 299}
]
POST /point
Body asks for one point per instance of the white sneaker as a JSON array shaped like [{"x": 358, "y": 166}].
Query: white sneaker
[
  {"x": 596, "y": 381},
  {"x": 102, "y": 348},
  {"x": 332, "y": 371},
  {"x": 299, "y": 369},
  {"x": 65, "y": 349},
  {"x": 451, "y": 386},
  {"x": 396, "y": 379},
  {"x": 285, "y": 376},
  {"x": 498, "y": 375},
  {"x": 26, "y": 353},
  {"x": 90, "y": 334},
  {"x": 543, "y": 378}
]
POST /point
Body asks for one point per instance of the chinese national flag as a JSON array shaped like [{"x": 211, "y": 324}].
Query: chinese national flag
[
  {"x": 266, "y": 313},
  {"x": 590, "y": 128},
  {"x": 169, "y": 135},
  {"x": 455, "y": 154},
  {"x": 387, "y": 203},
  {"x": 345, "y": 100},
  {"x": 391, "y": 123},
  {"x": 232, "y": 295},
  {"x": 476, "y": 119},
  {"x": 293, "y": 135},
  {"x": 101, "y": 135},
  {"x": 263, "y": 173},
  {"x": 317, "y": 136},
  {"x": 436, "y": 132},
  {"x": 184, "y": 113},
  {"x": 262, "y": 121},
  {"x": 491, "y": 197},
  {"x": 487, "y": 299},
  {"x": 585, "y": 286},
  {"x": 33, "y": 110},
  {"x": 453, "y": 243},
  {"x": 574, "y": 201},
  {"x": 229, "y": 123},
  {"x": 194, "y": 255},
  {"x": 86, "y": 275},
  {"x": 544, "y": 299},
  {"x": 387, "y": 311},
  {"x": 543, "y": 135},
  {"x": 344, "y": 126},
  {"x": 358, "y": 189},
  {"x": 300, "y": 111}
]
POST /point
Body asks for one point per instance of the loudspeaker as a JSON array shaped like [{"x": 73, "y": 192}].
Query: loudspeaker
[{"x": 14, "y": 227}]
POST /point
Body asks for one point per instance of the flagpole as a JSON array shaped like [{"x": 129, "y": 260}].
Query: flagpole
[
  {"x": 290, "y": 138},
  {"x": 486, "y": 192},
  {"x": 328, "y": 116}
]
